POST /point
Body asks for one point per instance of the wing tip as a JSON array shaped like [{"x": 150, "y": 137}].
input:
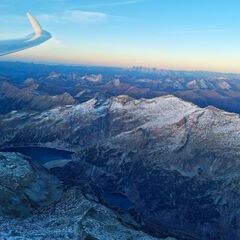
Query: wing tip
[
  {"x": 35, "y": 24},
  {"x": 29, "y": 14}
]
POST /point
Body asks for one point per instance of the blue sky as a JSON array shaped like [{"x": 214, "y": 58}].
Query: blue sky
[{"x": 175, "y": 34}]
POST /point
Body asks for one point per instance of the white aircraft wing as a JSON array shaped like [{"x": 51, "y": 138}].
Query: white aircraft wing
[{"x": 38, "y": 37}]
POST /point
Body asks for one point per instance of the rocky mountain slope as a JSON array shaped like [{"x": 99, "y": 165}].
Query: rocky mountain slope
[
  {"x": 177, "y": 163},
  {"x": 27, "y": 97},
  {"x": 34, "y": 206},
  {"x": 74, "y": 217}
]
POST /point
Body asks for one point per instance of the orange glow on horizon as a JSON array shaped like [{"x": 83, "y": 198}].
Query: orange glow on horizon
[{"x": 62, "y": 55}]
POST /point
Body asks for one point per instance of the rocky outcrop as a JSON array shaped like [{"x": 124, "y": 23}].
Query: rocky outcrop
[
  {"x": 74, "y": 217},
  {"x": 25, "y": 186},
  {"x": 177, "y": 163}
]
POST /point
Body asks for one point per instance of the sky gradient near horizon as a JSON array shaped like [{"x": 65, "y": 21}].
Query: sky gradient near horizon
[{"x": 173, "y": 34}]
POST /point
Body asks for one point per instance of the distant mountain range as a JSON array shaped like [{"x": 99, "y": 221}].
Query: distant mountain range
[{"x": 28, "y": 85}]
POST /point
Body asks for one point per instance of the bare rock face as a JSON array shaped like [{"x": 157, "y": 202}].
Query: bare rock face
[
  {"x": 177, "y": 163},
  {"x": 24, "y": 186}
]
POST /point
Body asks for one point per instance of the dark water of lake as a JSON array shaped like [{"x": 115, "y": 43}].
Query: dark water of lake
[
  {"x": 41, "y": 154},
  {"x": 117, "y": 200}
]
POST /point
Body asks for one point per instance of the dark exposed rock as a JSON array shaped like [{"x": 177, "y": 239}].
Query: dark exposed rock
[{"x": 25, "y": 186}]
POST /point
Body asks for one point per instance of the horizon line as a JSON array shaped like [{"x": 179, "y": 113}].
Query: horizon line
[{"x": 118, "y": 66}]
